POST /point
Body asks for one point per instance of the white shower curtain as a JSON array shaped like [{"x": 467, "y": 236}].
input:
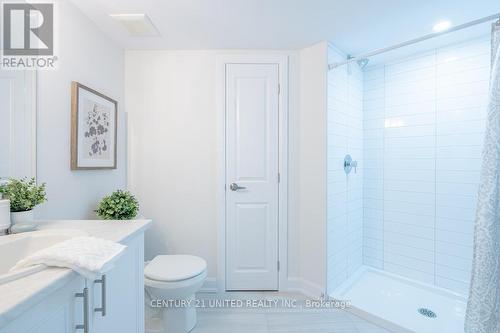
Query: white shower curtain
[{"x": 483, "y": 308}]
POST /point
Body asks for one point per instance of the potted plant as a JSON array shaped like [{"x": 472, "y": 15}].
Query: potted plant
[
  {"x": 120, "y": 205},
  {"x": 24, "y": 195}
]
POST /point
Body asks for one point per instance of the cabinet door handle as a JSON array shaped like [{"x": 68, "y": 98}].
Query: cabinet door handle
[
  {"x": 102, "y": 309},
  {"x": 85, "y": 296}
]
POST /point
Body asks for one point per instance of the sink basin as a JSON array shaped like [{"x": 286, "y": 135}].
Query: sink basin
[{"x": 16, "y": 247}]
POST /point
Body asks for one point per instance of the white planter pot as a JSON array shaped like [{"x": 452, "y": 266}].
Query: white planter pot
[
  {"x": 4, "y": 215},
  {"x": 25, "y": 217}
]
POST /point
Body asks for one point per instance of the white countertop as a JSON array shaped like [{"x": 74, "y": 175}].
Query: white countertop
[{"x": 19, "y": 295}]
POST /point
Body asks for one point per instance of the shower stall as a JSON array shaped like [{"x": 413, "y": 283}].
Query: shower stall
[{"x": 405, "y": 137}]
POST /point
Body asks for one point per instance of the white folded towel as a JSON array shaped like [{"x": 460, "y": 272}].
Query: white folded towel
[{"x": 88, "y": 256}]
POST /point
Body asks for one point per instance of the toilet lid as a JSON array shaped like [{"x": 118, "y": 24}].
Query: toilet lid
[{"x": 174, "y": 267}]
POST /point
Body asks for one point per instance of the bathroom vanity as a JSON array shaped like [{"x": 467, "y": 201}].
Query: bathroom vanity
[{"x": 58, "y": 300}]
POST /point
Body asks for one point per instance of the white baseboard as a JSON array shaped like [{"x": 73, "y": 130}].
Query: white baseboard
[
  {"x": 295, "y": 284},
  {"x": 305, "y": 287},
  {"x": 210, "y": 286}
]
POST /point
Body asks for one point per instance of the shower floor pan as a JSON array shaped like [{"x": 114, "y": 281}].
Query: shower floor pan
[{"x": 402, "y": 305}]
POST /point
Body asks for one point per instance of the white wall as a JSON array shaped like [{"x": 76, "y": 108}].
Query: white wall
[
  {"x": 171, "y": 99},
  {"x": 424, "y": 127},
  {"x": 345, "y": 192},
  {"x": 87, "y": 56},
  {"x": 311, "y": 191}
]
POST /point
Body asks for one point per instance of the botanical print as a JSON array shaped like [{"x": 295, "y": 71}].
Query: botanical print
[
  {"x": 93, "y": 129},
  {"x": 97, "y": 130}
]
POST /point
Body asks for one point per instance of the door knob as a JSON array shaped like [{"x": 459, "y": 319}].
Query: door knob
[{"x": 236, "y": 187}]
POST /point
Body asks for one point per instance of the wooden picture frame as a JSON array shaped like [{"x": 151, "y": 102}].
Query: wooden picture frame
[{"x": 94, "y": 120}]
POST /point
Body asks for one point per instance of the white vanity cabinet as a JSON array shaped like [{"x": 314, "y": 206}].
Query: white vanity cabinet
[
  {"x": 58, "y": 313},
  {"x": 117, "y": 304},
  {"x": 121, "y": 297}
]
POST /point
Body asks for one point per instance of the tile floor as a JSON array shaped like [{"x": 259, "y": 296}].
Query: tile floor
[
  {"x": 277, "y": 319},
  {"x": 310, "y": 321}
]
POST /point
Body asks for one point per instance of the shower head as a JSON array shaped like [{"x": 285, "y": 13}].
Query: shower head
[{"x": 363, "y": 62}]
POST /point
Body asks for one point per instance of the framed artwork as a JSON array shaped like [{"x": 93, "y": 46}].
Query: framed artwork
[{"x": 93, "y": 129}]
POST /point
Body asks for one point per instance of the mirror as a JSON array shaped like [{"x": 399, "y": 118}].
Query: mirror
[{"x": 17, "y": 123}]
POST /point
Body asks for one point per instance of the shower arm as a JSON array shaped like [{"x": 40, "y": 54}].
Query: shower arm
[{"x": 415, "y": 40}]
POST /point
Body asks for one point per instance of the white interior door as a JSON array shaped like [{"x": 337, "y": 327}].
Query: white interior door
[{"x": 252, "y": 176}]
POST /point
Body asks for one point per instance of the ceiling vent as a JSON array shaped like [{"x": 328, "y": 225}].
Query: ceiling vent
[{"x": 137, "y": 25}]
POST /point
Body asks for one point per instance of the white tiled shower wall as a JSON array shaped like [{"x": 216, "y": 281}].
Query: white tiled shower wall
[
  {"x": 344, "y": 193},
  {"x": 424, "y": 121}
]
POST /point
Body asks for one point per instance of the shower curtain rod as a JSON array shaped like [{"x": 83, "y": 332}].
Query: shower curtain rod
[{"x": 414, "y": 41}]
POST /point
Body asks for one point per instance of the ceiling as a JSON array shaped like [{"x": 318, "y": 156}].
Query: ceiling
[{"x": 354, "y": 26}]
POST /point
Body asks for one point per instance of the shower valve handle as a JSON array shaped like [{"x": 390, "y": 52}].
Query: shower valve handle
[{"x": 349, "y": 163}]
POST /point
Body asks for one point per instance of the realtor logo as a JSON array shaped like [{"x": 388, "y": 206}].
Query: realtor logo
[
  {"x": 28, "y": 29},
  {"x": 28, "y": 36}
]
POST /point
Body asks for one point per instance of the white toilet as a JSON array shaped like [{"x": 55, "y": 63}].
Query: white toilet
[{"x": 176, "y": 278}]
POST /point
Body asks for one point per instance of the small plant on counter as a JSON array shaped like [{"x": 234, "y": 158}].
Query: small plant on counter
[
  {"x": 121, "y": 205},
  {"x": 23, "y": 194}
]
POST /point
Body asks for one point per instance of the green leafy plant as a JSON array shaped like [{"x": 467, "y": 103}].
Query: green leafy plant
[
  {"x": 23, "y": 194},
  {"x": 121, "y": 205}
]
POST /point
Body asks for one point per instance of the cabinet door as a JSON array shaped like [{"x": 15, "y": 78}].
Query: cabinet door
[
  {"x": 124, "y": 293},
  {"x": 58, "y": 313}
]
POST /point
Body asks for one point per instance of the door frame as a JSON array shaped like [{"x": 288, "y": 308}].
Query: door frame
[{"x": 262, "y": 58}]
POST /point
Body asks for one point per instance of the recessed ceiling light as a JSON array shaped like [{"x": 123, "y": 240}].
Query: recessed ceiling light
[
  {"x": 441, "y": 26},
  {"x": 136, "y": 24}
]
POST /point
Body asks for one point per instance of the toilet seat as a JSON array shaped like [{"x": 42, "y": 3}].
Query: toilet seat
[
  {"x": 176, "y": 277},
  {"x": 174, "y": 268}
]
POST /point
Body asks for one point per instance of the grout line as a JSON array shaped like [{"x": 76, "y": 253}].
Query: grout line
[
  {"x": 411, "y": 268},
  {"x": 466, "y": 108},
  {"x": 420, "y": 248},
  {"x": 383, "y": 169},
  {"x": 435, "y": 160}
]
